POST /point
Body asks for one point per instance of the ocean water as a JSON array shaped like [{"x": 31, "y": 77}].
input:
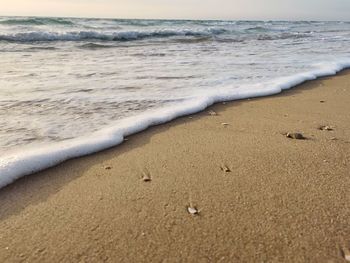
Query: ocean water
[{"x": 70, "y": 87}]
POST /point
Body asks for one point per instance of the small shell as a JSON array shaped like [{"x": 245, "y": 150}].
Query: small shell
[
  {"x": 192, "y": 210},
  {"x": 212, "y": 113},
  {"x": 224, "y": 124},
  {"x": 146, "y": 177},
  {"x": 225, "y": 169},
  {"x": 295, "y": 135},
  {"x": 325, "y": 128},
  {"x": 346, "y": 254}
]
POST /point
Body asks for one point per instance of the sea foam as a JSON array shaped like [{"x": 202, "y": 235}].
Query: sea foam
[{"x": 17, "y": 164}]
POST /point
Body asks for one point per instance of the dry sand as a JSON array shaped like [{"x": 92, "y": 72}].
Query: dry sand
[{"x": 284, "y": 200}]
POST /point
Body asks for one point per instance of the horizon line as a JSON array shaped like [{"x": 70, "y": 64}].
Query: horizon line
[{"x": 179, "y": 19}]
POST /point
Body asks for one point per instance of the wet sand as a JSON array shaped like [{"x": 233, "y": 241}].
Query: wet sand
[{"x": 261, "y": 197}]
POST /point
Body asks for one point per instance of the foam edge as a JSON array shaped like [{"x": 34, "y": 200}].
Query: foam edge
[{"x": 16, "y": 165}]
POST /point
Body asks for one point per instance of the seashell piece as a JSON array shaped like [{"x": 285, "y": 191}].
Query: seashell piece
[
  {"x": 146, "y": 177},
  {"x": 224, "y": 124},
  {"x": 295, "y": 135},
  {"x": 325, "y": 128},
  {"x": 192, "y": 210},
  {"x": 212, "y": 113},
  {"x": 346, "y": 254},
  {"x": 225, "y": 169}
]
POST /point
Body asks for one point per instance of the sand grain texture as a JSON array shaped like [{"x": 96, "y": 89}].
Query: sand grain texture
[{"x": 283, "y": 200}]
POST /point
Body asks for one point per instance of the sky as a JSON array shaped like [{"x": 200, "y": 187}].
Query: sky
[{"x": 183, "y": 9}]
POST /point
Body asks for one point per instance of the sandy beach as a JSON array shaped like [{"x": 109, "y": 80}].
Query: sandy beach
[{"x": 260, "y": 196}]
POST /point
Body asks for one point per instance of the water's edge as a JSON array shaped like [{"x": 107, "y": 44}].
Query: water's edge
[{"x": 15, "y": 166}]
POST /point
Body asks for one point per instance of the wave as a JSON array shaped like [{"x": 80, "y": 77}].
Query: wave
[
  {"x": 192, "y": 40},
  {"x": 41, "y": 48},
  {"x": 258, "y": 29},
  {"x": 25, "y": 162},
  {"x": 197, "y": 35},
  {"x": 36, "y": 21},
  {"x": 95, "y": 46},
  {"x": 116, "y": 36},
  {"x": 283, "y": 36}
]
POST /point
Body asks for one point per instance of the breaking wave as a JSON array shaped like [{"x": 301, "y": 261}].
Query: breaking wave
[
  {"x": 113, "y": 36},
  {"x": 206, "y": 34}
]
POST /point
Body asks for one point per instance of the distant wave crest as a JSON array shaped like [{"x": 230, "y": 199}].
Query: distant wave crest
[
  {"x": 207, "y": 34},
  {"x": 94, "y": 46},
  {"x": 36, "y": 21},
  {"x": 116, "y": 36}
]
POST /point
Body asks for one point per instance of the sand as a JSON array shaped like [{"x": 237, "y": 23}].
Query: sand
[{"x": 260, "y": 196}]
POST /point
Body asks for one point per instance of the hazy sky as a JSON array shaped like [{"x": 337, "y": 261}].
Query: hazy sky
[{"x": 187, "y": 9}]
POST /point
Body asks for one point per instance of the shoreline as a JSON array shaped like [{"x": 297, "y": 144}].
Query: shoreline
[
  {"x": 283, "y": 200},
  {"x": 32, "y": 160}
]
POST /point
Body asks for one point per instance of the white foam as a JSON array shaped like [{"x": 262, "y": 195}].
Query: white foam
[{"x": 18, "y": 164}]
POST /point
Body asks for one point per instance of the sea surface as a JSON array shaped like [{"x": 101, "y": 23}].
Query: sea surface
[{"x": 72, "y": 86}]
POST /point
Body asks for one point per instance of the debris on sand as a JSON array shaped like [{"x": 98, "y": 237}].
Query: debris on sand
[
  {"x": 325, "y": 128},
  {"x": 108, "y": 167},
  {"x": 225, "y": 169},
  {"x": 146, "y": 177},
  {"x": 192, "y": 210},
  {"x": 224, "y": 124},
  {"x": 322, "y": 101},
  {"x": 295, "y": 135},
  {"x": 346, "y": 254},
  {"x": 212, "y": 113}
]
